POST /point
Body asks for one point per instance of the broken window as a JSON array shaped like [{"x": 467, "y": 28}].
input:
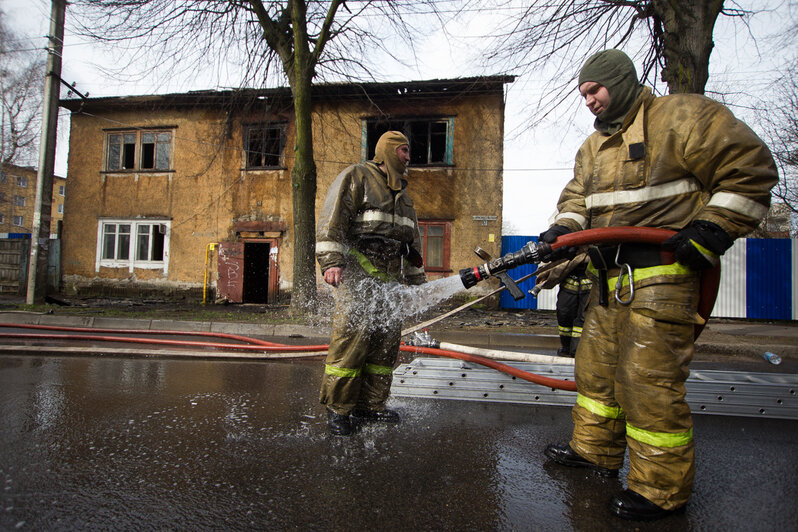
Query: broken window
[
  {"x": 132, "y": 243},
  {"x": 430, "y": 138},
  {"x": 139, "y": 150},
  {"x": 263, "y": 145}
]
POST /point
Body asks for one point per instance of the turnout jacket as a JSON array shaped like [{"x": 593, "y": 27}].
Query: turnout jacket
[
  {"x": 362, "y": 217},
  {"x": 676, "y": 159}
]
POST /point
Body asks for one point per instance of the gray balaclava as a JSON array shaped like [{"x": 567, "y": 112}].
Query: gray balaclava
[
  {"x": 385, "y": 152},
  {"x": 614, "y": 70}
]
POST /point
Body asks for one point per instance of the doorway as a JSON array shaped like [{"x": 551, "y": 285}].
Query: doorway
[{"x": 256, "y": 272}]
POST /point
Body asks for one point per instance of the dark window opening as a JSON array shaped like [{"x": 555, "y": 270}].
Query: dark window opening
[
  {"x": 263, "y": 145},
  {"x": 129, "y": 152},
  {"x": 429, "y": 138}
]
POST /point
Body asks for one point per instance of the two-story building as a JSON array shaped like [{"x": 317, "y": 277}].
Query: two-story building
[{"x": 192, "y": 191}]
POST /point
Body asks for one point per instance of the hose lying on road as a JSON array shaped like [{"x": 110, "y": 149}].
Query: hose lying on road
[{"x": 258, "y": 345}]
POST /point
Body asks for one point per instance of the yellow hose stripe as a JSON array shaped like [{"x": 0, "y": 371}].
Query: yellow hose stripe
[
  {"x": 591, "y": 405},
  {"x": 341, "y": 372},
  {"x": 374, "y": 369},
  {"x": 659, "y": 439}
]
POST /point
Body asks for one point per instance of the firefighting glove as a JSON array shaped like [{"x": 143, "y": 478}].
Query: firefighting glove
[
  {"x": 412, "y": 255},
  {"x": 549, "y": 236},
  {"x": 699, "y": 245}
]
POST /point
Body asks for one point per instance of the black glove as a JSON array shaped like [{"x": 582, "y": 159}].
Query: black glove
[
  {"x": 549, "y": 236},
  {"x": 412, "y": 255},
  {"x": 699, "y": 245}
]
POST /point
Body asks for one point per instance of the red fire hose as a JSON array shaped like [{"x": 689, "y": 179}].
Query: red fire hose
[{"x": 710, "y": 280}]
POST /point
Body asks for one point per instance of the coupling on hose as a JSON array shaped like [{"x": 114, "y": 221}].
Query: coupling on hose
[{"x": 530, "y": 253}]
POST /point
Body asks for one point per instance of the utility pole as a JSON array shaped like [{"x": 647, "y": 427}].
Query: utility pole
[{"x": 40, "y": 231}]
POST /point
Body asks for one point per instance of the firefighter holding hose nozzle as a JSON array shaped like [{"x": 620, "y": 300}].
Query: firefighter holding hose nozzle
[{"x": 681, "y": 162}]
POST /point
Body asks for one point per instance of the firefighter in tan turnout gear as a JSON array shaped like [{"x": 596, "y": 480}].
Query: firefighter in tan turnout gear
[
  {"x": 367, "y": 238},
  {"x": 681, "y": 162}
]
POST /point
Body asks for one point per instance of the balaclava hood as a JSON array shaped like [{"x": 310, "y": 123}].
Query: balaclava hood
[
  {"x": 385, "y": 152},
  {"x": 614, "y": 70}
]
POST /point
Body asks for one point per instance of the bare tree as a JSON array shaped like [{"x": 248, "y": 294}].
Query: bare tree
[
  {"x": 674, "y": 37},
  {"x": 780, "y": 123},
  {"x": 294, "y": 40},
  {"x": 21, "y": 80}
]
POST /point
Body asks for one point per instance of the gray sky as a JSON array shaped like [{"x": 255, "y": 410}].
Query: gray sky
[{"x": 537, "y": 162}]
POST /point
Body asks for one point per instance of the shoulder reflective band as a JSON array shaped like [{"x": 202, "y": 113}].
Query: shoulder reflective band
[
  {"x": 659, "y": 439},
  {"x": 739, "y": 204},
  {"x": 374, "y": 369},
  {"x": 645, "y": 273},
  {"x": 591, "y": 405},
  {"x": 368, "y": 266},
  {"x": 341, "y": 372}
]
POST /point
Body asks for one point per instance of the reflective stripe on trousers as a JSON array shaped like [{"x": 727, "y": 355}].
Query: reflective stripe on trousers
[{"x": 631, "y": 366}]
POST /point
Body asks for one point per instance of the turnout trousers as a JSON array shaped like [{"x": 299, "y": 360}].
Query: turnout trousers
[
  {"x": 571, "y": 304},
  {"x": 631, "y": 368},
  {"x": 363, "y": 348}
]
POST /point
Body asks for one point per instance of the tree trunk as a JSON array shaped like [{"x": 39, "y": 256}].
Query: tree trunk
[
  {"x": 303, "y": 177},
  {"x": 687, "y": 41}
]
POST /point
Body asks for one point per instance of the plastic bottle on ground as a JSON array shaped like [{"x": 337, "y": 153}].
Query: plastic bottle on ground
[{"x": 773, "y": 358}]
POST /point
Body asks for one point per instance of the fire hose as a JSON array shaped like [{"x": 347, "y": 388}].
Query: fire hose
[{"x": 532, "y": 252}]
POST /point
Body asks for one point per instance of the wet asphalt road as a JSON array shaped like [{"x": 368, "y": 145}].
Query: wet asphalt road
[{"x": 91, "y": 443}]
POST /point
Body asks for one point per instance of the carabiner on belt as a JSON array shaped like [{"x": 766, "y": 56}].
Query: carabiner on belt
[{"x": 619, "y": 282}]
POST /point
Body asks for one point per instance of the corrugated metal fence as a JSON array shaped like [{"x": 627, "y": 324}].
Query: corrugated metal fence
[{"x": 759, "y": 279}]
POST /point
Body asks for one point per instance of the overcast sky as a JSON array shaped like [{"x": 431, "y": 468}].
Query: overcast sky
[{"x": 538, "y": 163}]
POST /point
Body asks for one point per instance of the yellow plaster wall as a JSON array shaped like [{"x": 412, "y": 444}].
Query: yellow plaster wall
[{"x": 209, "y": 189}]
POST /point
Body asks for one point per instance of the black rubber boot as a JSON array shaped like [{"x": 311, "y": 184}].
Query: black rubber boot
[
  {"x": 338, "y": 424},
  {"x": 563, "y": 454},
  {"x": 364, "y": 415},
  {"x": 631, "y": 505}
]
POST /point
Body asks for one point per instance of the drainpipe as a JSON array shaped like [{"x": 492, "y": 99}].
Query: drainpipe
[{"x": 208, "y": 250}]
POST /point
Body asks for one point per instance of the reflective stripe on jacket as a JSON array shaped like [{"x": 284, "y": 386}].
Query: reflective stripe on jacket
[
  {"x": 676, "y": 159},
  {"x": 359, "y": 205}
]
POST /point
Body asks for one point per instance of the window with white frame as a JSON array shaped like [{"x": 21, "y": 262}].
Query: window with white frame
[
  {"x": 60, "y": 208},
  {"x": 430, "y": 138},
  {"x": 19, "y": 201},
  {"x": 2, "y": 218},
  {"x": 22, "y": 181},
  {"x": 61, "y": 190},
  {"x": 19, "y": 221},
  {"x": 133, "y": 243},
  {"x": 138, "y": 150}
]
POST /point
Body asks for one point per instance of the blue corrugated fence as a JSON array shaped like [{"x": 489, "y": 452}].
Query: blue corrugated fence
[{"x": 758, "y": 280}]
